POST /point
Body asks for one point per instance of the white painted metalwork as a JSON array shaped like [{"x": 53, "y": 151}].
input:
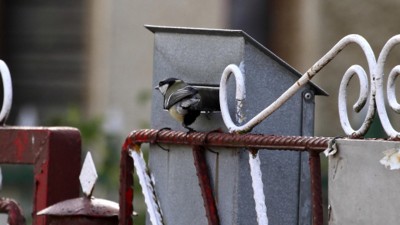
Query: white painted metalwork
[
  {"x": 380, "y": 101},
  {"x": 254, "y": 159},
  {"x": 147, "y": 185},
  {"x": 1, "y": 179},
  {"x": 258, "y": 188},
  {"x": 240, "y": 97},
  {"x": 372, "y": 90},
  {"x": 88, "y": 176},
  {"x": 7, "y": 91}
]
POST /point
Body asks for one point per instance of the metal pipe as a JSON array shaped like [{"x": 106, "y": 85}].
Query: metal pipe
[
  {"x": 205, "y": 185},
  {"x": 316, "y": 190},
  {"x": 126, "y": 186},
  {"x": 214, "y": 139}
]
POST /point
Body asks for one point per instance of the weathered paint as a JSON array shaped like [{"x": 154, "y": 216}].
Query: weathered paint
[
  {"x": 126, "y": 185},
  {"x": 56, "y": 157},
  {"x": 203, "y": 176}
]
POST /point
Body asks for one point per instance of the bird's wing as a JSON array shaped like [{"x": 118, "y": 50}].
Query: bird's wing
[
  {"x": 179, "y": 95},
  {"x": 190, "y": 102}
]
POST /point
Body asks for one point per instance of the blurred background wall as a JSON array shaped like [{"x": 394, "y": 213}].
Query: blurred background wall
[
  {"x": 299, "y": 32},
  {"x": 89, "y": 63},
  {"x": 97, "y": 56}
]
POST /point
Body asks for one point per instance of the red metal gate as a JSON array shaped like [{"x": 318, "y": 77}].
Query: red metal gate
[{"x": 55, "y": 154}]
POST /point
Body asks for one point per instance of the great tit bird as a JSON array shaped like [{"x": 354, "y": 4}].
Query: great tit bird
[{"x": 180, "y": 99}]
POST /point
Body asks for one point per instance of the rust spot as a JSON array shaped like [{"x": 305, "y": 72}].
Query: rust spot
[
  {"x": 20, "y": 145},
  {"x": 309, "y": 75}
]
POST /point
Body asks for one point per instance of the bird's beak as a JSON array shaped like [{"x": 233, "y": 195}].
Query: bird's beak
[{"x": 157, "y": 87}]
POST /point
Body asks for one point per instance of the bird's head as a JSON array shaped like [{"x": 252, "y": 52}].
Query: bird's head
[{"x": 164, "y": 85}]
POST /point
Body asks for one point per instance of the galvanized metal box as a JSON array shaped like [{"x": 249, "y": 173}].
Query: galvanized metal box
[
  {"x": 361, "y": 189},
  {"x": 199, "y": 56}
]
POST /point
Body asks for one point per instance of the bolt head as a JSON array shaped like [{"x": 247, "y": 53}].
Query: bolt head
[{"x": 308, "y": 96}]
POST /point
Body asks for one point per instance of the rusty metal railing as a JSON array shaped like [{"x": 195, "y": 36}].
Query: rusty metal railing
[
  {"x": 313, "y": 145},
  {"x": 46, "y": 148}
]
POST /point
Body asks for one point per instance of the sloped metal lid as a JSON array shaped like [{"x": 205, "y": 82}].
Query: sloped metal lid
[
  {"x": 82, "y": 207},
  {"x": 233, "y": 33}
]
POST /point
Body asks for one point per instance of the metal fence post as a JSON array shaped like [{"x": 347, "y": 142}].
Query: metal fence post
[{"x": 55, "y": 154}]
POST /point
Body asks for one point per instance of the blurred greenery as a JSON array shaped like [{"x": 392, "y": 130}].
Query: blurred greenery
[{"x": 90, "y": 128}]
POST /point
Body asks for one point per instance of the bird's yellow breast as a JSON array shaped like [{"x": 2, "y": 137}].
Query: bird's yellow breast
[{"x": 174, "y": 113}]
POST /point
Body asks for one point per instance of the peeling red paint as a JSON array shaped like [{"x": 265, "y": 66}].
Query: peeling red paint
[
  {"x": 55, "y": 153},
  {"x": 126, "y": 144},
  {"x": 20, "y": 145},
  {"x": 203, "y": 176},
  {"x": 126, "y": 186}
]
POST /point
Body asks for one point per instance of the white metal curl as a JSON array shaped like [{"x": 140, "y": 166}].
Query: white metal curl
[
  {"x": 380, "y": 101},
  {"x": 7, "y": 92},
  {"x": 363, "y": 96},
  {"x": 391, "y": 89},
  {"x": 240, "y": 95},
  {"x": 233, "y": 69}
]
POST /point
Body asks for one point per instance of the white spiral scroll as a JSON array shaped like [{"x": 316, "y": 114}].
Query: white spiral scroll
[
  {"x": 380, "y": 100},
  {"x": 372, "y": 90},
  {"x": 7, "y": 92},
  {"x": 362, "y": 75}
]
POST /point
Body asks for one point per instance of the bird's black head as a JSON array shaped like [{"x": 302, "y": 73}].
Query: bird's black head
[
  {"x": 168, "y": 81},
  {"x": 165, "y": 84}
]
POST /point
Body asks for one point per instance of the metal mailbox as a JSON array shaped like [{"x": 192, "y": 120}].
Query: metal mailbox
[{"x": 199, "y": 56}]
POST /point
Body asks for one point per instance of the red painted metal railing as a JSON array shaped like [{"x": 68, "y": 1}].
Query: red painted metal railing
[
  {"x": 203, "y": 175},
  {"x": 55, "y": 154},
  {"x": 314, "y": 145}
]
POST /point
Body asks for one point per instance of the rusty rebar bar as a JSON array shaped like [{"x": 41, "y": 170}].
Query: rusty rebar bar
[
  {"x": 203, "y": 176},
  {"x": 215, "y": 139},
  {"x": 316, "y": 189},
  {"x": 126, "y": 187}
]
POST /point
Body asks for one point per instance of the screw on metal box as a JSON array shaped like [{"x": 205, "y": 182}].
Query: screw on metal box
[{"x": 87, "y": 209}]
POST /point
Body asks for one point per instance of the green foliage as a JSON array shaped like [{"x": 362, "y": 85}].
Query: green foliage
[{"x": 90, "y": 128}]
